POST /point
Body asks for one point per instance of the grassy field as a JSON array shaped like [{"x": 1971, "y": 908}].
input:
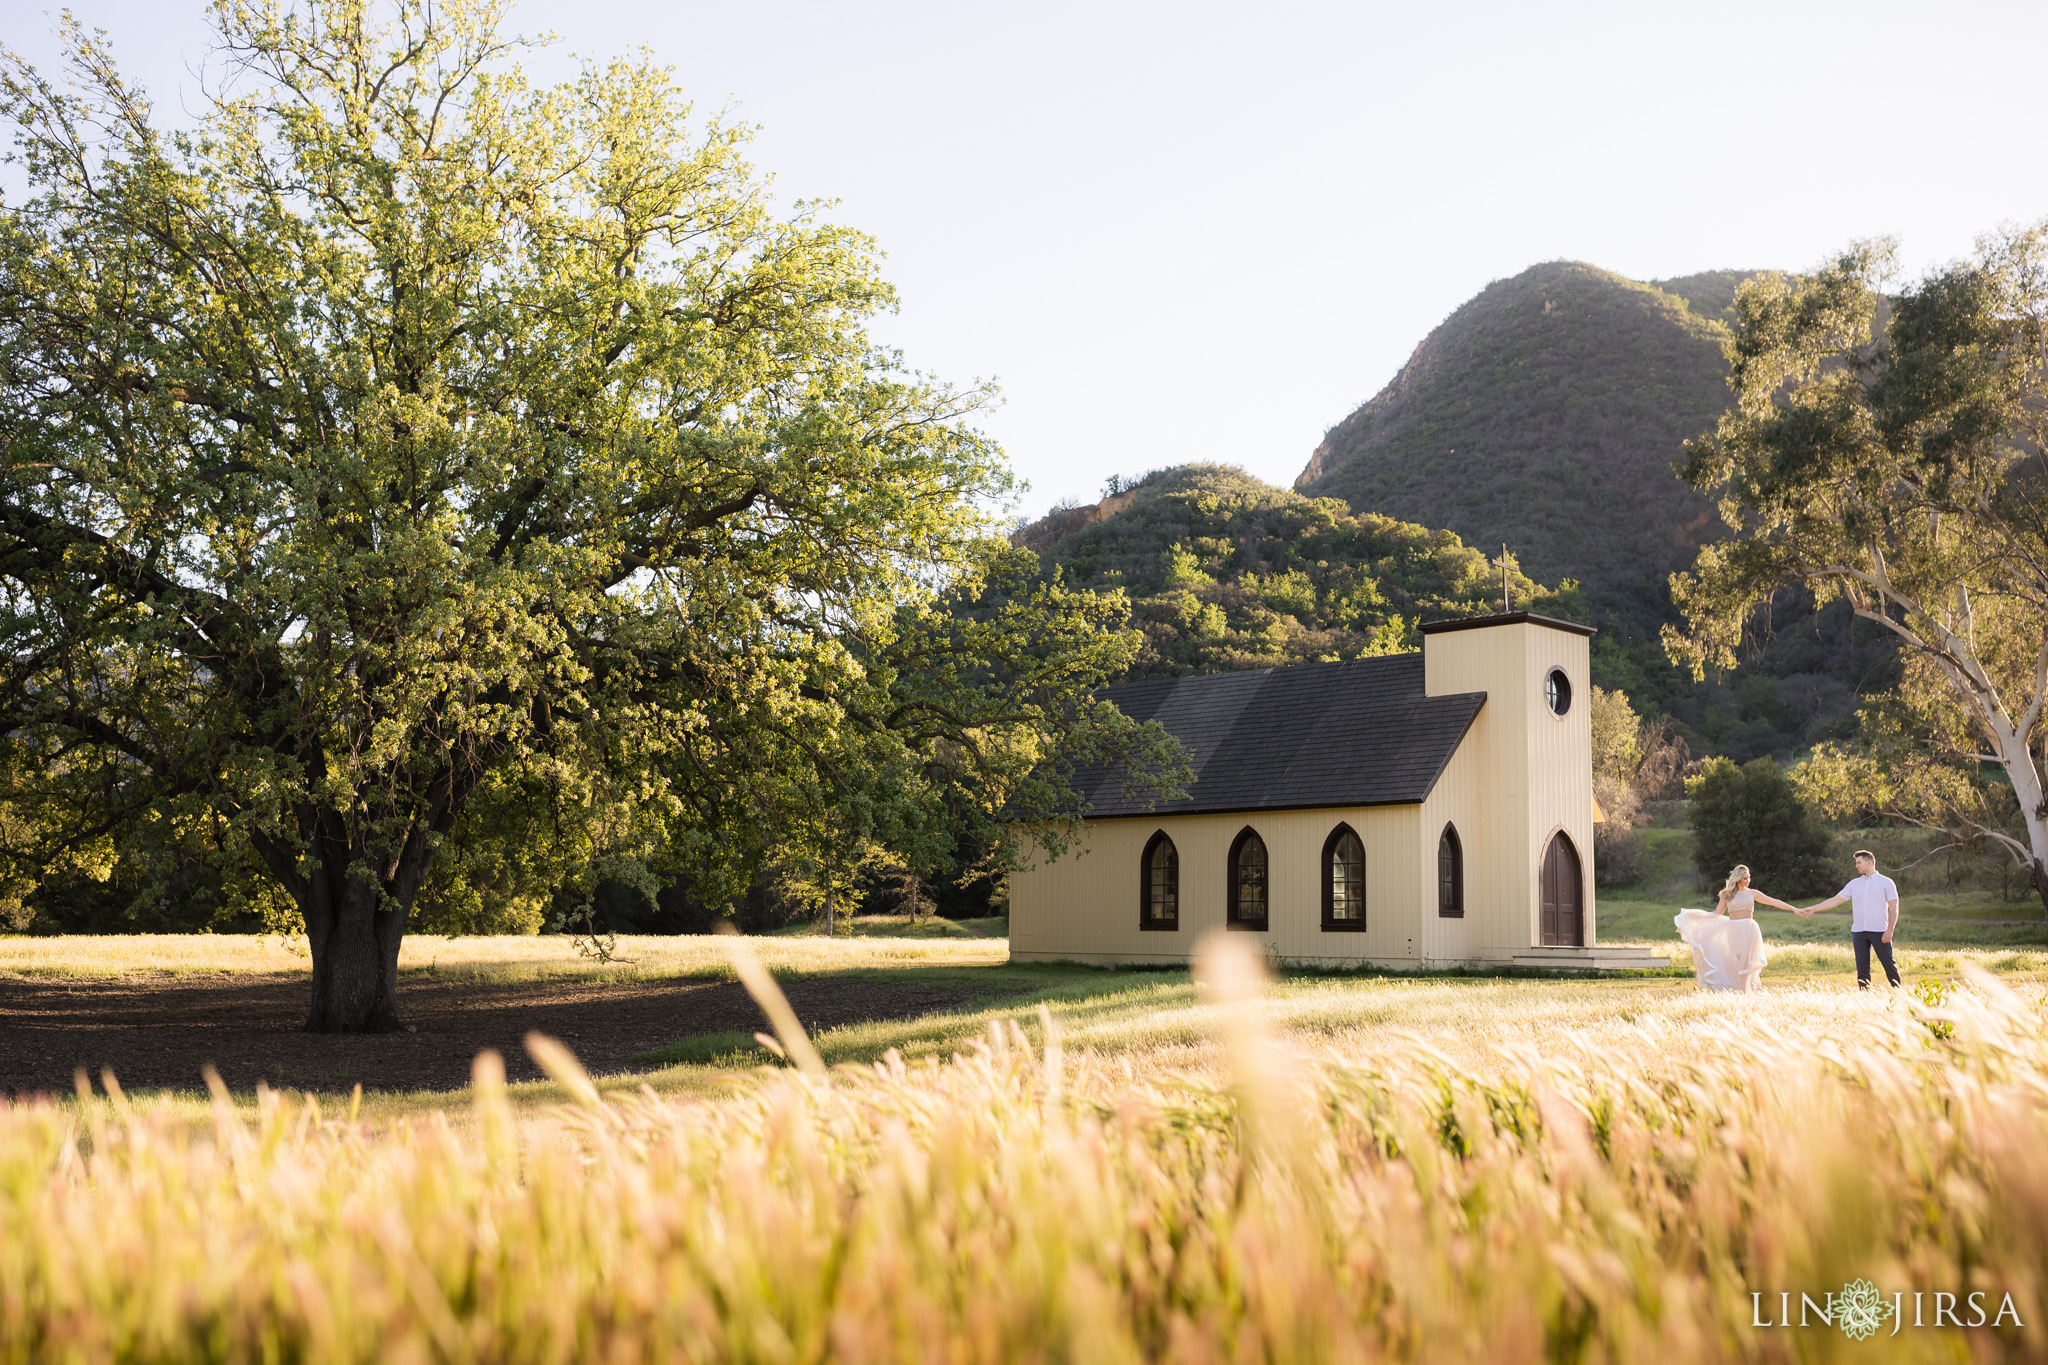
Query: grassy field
[
  {"x": 1081, "y": 1164},
  {"x": 505, "y": 956},
  {"x": 1969, "y": 920},
  {"x": 901, "y": 926},
  {"x": 1090, "y": 1165},
  {"x": 1152, "y": 1015},
  {"x": 1934, "y": 918}
]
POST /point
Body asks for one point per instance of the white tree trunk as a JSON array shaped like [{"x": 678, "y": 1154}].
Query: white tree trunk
[{"x": 2011, "y": 741}]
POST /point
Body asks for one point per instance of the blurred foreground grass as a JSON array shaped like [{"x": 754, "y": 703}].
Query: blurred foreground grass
[{"x": 1605, "y": 1170}]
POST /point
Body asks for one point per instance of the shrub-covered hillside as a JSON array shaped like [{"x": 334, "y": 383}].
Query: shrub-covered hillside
[
  {"x": 1227, "y": 572},
  {"x": 1546, "y": 413}
]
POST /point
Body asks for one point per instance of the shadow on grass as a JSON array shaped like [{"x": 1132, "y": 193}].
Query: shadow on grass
[{"x": 1083, "y": 998}]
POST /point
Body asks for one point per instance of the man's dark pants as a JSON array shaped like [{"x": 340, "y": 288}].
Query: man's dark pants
[{"x": 1866, "y": 939}]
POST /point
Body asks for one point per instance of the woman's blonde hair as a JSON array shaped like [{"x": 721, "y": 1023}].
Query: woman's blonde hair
[{"x": 1735, "y": 875}]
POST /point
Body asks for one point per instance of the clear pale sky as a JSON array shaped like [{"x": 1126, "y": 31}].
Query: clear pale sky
[{"x": 1204, "y": 232}]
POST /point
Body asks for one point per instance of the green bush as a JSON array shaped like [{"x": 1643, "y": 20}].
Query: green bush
[{"x": 1752, "y": 814}]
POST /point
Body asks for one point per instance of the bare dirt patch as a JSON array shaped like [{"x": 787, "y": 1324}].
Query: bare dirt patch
[{"x": 160, "y": 1033}]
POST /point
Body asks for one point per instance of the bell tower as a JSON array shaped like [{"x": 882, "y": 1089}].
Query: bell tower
[{"x": 1531, "y": 807}]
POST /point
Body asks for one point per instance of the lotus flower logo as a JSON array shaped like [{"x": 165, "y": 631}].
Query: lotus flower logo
[{"x": 1860, "y": 1310}]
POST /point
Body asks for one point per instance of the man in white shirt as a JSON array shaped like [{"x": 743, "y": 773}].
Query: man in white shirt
[{"x": 1874, "y": 914}]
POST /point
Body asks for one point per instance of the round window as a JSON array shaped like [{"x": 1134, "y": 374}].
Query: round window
[{"x": 1557, "y": 691}]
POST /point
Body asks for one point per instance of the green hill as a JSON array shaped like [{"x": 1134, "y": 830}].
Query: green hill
[
  {"x": 1710, "y": 294},
  {"x": 1545, "y": 413},
  {"x": 1227, "y": 572}
]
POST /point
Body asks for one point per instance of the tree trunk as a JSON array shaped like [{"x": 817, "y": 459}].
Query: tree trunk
[
  {"x": 357, "y": 904},
  {"x": 2013, "y": 746},
  {"x": 831, "y": 928},
  {"x": 355, "y": 963}
]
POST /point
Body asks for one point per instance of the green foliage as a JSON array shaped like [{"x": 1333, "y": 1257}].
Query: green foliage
[
  {"x": 1617, "y": 738},
  {"x": 1888, "y": 454},
  {"x": 1184, "y": 569},
  {"x": 1226, "y": 572},
  {"x": 409, "y": 459},
  {"x": 1904, "y": 768},
  {"x": 1753, "y": 815},
  {"x": 30, "y": 831},
  {"x": 1935, "y": 994},
  {"x": 1634, "y": 763},
  {"x": 1617, "y": 743}
]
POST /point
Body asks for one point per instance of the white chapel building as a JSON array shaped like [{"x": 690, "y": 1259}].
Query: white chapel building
[{"x": 1420, "y": 810}]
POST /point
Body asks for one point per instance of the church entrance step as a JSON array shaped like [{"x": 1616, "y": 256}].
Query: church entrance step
[{"x": 1596, "y": 959}]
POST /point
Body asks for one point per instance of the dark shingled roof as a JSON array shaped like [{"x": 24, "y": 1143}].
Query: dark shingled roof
[
  {"x": 1359, "y": 733},
  {"x": 1505, "y": 618}
]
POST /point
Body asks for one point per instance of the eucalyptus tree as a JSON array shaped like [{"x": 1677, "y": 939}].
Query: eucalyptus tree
[
  {"x": 1889, "y": 450},
  {"x": 402, "y": 430}
]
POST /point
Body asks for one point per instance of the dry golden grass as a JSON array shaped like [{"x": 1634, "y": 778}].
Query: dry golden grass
[
  {"x": 501, "y": 957},
  {"x": 1414, "y": 1170},
  {"x": 1159, "y": 1019}
]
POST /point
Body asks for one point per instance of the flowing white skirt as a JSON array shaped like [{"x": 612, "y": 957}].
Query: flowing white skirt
[{"x": 1727, "y": 954}]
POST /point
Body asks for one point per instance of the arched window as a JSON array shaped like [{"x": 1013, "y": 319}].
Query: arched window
[
  {"x": 1159, "y": 885},
  {"x": 1450, "y": 875},
  {"x": 1248, "y": 905},
  {"x": 1343, "y": 880}
]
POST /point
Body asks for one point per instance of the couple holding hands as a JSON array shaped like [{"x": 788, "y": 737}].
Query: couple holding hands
[{"x": 1728, "y": 948}]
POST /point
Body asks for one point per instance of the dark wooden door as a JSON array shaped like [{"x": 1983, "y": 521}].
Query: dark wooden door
[{"x": 1564, "y": 917}]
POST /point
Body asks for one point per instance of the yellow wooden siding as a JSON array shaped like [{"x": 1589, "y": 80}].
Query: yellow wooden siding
[
  {"x": 1085, "y": 906},
  {"x": 1561, "y": 766},
  {"x": 1455, "y": 801},
  {"x": 1534, "y": 772}
]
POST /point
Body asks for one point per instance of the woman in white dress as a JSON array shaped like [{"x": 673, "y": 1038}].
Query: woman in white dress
[{"x": 1727, "y": 945}]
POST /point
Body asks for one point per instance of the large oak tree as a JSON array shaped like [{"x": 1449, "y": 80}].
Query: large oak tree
[{"x": 403, "y": 441}]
